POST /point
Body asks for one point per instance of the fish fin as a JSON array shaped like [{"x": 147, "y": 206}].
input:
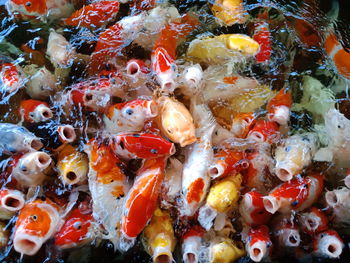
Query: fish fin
[{"x": 204, "y": 118}]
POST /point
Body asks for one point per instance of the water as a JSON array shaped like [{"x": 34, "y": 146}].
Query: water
[{"x": 296, "y": 54}]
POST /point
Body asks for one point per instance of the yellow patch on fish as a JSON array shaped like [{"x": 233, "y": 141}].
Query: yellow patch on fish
[
  {"x": 226, "y": 252},
  {"x": 229, "y": 11}
]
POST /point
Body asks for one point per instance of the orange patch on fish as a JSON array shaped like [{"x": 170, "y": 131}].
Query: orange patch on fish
[
  {"x": 230, "y": 80},
  {"x": 118, "y": 191},
  {"x": 195, "y": 191}
]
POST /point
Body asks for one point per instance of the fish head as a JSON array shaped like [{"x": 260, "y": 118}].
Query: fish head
[
  {"x": 338, "y": 126},
  {"x": 27, "y": 8},
  {"x": 75, "y": 230}
]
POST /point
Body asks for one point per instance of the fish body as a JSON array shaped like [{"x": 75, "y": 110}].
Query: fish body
[
  {"x": 94, "y": 15},
  {"x": 42, "y": 9},
  {"x": 129, "y": 116},
  {"x": 37, "y": 222},
  {"x": 108, "y": 186},
  {"x": 15, "y": 139},
  {"x": 314, "y": 221},
  {"x": 35, "y": 111},
  {"x": 252, "y": 209},
  {"x": 142, "y": 199},
  {"x": 176, "y": 122},
  {"x": 279, "y": 107},
  {"x": 76, "y": 229},
  {"x": 130, "y": 145},
  {"x": 262, "y": 35}
]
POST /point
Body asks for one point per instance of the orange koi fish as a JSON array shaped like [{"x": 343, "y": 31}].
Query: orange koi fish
[
  {"x": 314, "y": 221},
  {"x": 259, "y": 244},
  {"x": 10, "y": 77},
  {"x": 264, "y": 131},
  {"x": 328, "y": 244},
  {"x": 242, "y": 124},
  {"x": 262, "y": 35},
  {"x": 142, "y": 199},
  {"x": 76, "y": 229},
  {"x": 129, "y": 116},
  {"x": 141, "y": 145},
  {"x": 227, "y": 161},
  {"x": 164, "y": 50},
  {"x": 339, "y": 56},
  {"x": 279, "y": 107},
  {"x": 108, "y": 186},
  {"x": 94, "y": 15},
  {"x": 297, "y": 194},
  {"x": 252, "y": 209},
  {"x": 35, "y": 111},
  {"x": 37, "y": 222}
]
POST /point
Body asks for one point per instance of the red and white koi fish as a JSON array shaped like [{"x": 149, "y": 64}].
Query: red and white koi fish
[
  {"x": 242, "y": 123},
  {"x": 262, "y": 35},
  {"x": 108, "y": 186},
  {"x": 94, "y": 15},
  {"x": 113, "y": 40},
  {"x": 226, "y": 162},
  {"x": 252, "y": 209},
  {"x": 195, "y": 178},
  {"x": 129, "y": 116},
  {"x": 264, "y": 131},
  {"x": 164, "y": 51},
  {"x": 137, "y": 76},
  {"x": 35, "y": 111},
  {"x": 339, "y": 56},
  {"x": 76, "y": 230},
  {"x": 328, "y": 244},
  {"x": 337, "y": 200},
  {"x": 37, "y": 222},
  {"x": 191, "y": 243},
  {"x": 11, "y": 201},
  {"x": 11, "y": 77},
  {"x": 142, "y": 199},
  {"x": 297, "y": 194},
  {"x": 42, "y": 9},
  {"x": 294, "y": 154},
  {"x": 313, "y": 221},
  {"x": 28, "y": 169},
  {"x": 258, "y": 245},
  {"x": 279, "y": 107},
  {"x": 130, "y": 145},
  {"x": 286, "y": 233},
  {"x": 15, "y": 139}
]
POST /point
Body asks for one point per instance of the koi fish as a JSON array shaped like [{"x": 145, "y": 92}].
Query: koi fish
[
  {"x": 195, "y": 179},
  {"x": 43, "y": 9},
  {"x": 175, "y": 121},
  {"x": 11, "y": 201},
  {"x": 225, "y": 250},
  {"x": 314, "y": 221},
  {"x": 129, "y": 116},
  {"x": 222, "y": 197},
  {"x": 294, "y": 154},
  {"x": 287, "y": 233},
  {"x": 279, "y": 107},
  {"x": 11, "y": 77},
  {"x": 53, "y": 134},
  {"x": 258, "y": 244},
  {"x": 15, "y": 138},
  {"x": 130, "y": 145},
  {"x": 242, "y": 124},
  {"x": 94, "y": 15},
  {"x": 37, "y": 222},
  {"x": 142, "y": 5},
  {"x": 159, "y": 237},
  {"x": 113, "y": 40},
  {"x": 59, "y": 50},
  {"x": 142, "y": 199},
  {"x": 108, "y": 186},
  {"x": 336, "y": 199},
  {"x": 262, "y": 35},
  {"x": 193, "y": 77},
  {"x": 229, "y": 12},
  {"x": 35, "y": 111},
  {"x": 28, "y": 169},
  {"x": 164, "y": 51},
  {"x": 137, "y": 76},
  {"x": 328, "y": 244},
  {"x": 226, "y": 162},
  {"x": 297, "y": 194},
  {"x": 191, "y": 243},
  {"x": 252, "y": 209},
  {"x": 72, "y": 165},
  {"x": 264, "y": 131},
  {"x": 75, "y": 230}
]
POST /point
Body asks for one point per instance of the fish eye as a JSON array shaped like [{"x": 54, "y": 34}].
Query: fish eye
[
  {"x": 23, "y": 169},
  {"x": 340, "y": 126},
  {"x": 129, "y": 111},
  {"x": 170, "y": 131},
  {"x": 77, "y": 225},
  {"x": 28, "y": 4},
  {"x": 34, "y": 217}
]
